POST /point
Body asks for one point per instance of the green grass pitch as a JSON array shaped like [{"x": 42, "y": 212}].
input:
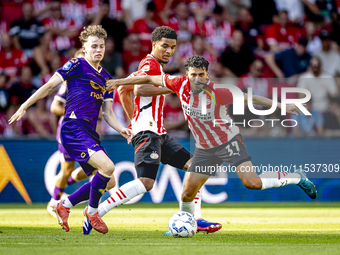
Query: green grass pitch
[{"x": 248, "y": 228}]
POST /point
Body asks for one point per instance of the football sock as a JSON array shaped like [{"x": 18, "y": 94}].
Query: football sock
[
  {"x": 80, "y": 195},
  {"x": 98, "y": 186},
  {"x": 198, "y": 200},
  {"x": 57, "y": 192},
  {"x": 187, "y": 206},
  {"x": 277, "y": 179},
  {"x": 67, "y": 203},
  {"x": 53, "y": 201},
  {"x": 124, "y": 194},
  {"x": 71, "y": 180},
  {"x": 91, "y": 210}
]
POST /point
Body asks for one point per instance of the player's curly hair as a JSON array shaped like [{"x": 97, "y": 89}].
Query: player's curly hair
[
  {"x": 96, "y": 30},
  {"x": 196, "y": 61},
  {"x": 163, "y": 32}
]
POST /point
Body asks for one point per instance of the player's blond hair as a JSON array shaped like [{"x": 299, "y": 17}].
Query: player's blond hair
[
  {"x": 96, "y": 30},
  {"x": 79, "y": 54}
]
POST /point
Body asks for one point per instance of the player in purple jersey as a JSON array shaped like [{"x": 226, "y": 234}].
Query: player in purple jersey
[
  {"x": 85, "y": 96},
  {"x": 67, "y": 174}
]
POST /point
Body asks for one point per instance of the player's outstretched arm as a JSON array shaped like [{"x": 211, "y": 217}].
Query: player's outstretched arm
[
  {"x": 42, "y": 92},
  {"x": 111, "y": 119},
  {"x": 112, "y": 84},
  {"x": 150, "y": 91},
  {"x": 260, "y": 100}
]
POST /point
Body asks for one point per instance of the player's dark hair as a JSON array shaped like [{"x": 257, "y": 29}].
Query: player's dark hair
[
  {"x": 196, "y": 61},
  {"x": 163, "y": 32},
  {"x": 96, "y": 30}
]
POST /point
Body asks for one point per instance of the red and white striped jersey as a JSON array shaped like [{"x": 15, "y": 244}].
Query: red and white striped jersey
[
  {"x": 75, "y": 11},
  {"x": 218, "y": 36},
  {"x": 60, "y": 42},
  {"x": 148, "y": 111},
  {"x": 210, "y": 129}
]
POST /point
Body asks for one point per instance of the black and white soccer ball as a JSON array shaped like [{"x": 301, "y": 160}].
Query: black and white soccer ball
[{"x": 182, "y": 224}]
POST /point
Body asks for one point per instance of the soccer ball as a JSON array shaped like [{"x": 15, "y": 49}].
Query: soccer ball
[{"x": 182, "y": 224}]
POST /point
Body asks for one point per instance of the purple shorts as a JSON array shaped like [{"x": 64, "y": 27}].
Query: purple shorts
[
  {"x": 63, "y": 154},
  {"x": 80, "y": 141}
]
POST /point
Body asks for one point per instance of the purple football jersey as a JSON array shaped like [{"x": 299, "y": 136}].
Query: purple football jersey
[
  {"x": 85, "y": 90},
  {"x": 61, "y": 96}
]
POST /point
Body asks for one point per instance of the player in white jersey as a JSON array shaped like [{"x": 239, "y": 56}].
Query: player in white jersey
[
  {"x": 216, "y": 142},
  {"x": 151, "y": 142}
]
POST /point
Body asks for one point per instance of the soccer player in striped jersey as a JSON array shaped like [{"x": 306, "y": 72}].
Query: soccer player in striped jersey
[
  {"x": 151, "y": 142},
  {"x": 216, "y": 142}
]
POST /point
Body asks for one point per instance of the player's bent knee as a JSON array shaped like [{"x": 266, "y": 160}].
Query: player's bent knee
[
  {"x": 148, "y": 183},
  {"x": 111, "y": 184},
  {"x": 108, "y": 169},
  {"x": 186, "y": 166},
  {"x": 252, "y": 183}
]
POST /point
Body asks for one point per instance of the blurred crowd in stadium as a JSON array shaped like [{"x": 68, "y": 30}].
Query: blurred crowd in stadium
[{"x": 250, "y": 43}]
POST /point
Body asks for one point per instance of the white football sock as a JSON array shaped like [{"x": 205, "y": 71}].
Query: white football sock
[
  {"x": 187, "y": 207},
  {"x": 198, "y": 200},
  {"x": 66, "y": 202},
  {"x": 91, "y": 210},
  {"x": 53, "y": 202},
  {"x": 121, "y": 196},
  {"x": 277, "y": 179}
]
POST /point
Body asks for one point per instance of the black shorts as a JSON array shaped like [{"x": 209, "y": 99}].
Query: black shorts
[
  {"x": 151, "y": 148},
  {"x": 207, "y": 161}
]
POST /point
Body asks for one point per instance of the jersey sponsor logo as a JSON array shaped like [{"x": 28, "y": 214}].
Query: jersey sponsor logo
[
  {"x": 146, "y": 68},
  {"x": 154, "y": 155},
  {"x": 96, "y": 86},
  {"x": 67, "y": 65},
  {"x": 97, "y": 96},
  {"x": 197, "y": 113}
]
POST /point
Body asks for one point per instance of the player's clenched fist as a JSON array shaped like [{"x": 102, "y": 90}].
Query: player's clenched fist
[
  {"x": 111, "y": 85},
  {"x": 127, "y": 133}
]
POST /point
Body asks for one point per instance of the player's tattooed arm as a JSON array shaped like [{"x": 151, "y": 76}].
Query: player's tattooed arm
[
  {"x": 41, "y": 93},
  {"x": 111, "y": 119},
  {"x": 157, "y": 80},
  {"x": 260, "y": 100}
]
